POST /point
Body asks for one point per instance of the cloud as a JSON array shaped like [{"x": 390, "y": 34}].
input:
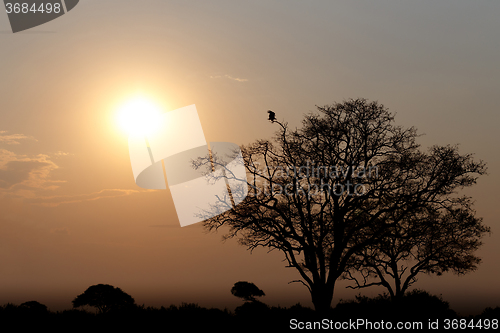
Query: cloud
[
  {"x": 56, "y": 200},
  {"x": 17, "y": 172},
  {"x": 13, "y": 139},
  {"x": 26, "y": 172},
  {"x": 228, "y": 77},
  {"x": 61, "y": 154},
  {"x": 24, "y": 177}
]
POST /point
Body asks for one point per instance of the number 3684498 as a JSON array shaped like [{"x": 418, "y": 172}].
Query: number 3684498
[{"x": 35, "y": 8}]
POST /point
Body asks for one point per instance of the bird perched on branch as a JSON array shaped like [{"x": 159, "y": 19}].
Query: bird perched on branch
[{"x": 272, "y": 116}]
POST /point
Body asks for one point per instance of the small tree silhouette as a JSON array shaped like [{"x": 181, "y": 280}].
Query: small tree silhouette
[
  {"x": 34, "y": 307},
  {"x": 105, "y": 298},
  {"x": 246, "y": 290}
]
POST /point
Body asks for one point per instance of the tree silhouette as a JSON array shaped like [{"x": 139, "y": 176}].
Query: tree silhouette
[
  {"x": 323, "y": 193},
  {"x": 246, "y": 290},
  {"x": 105, "y": 298},
  {"x": 434, "y": 240},
  {"x": 34, "y": 307}
]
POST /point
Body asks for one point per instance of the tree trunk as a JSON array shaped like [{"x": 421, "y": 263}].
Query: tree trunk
[
  {"x": 322, "y": 296},
  {"x": 398, "y": 292}
]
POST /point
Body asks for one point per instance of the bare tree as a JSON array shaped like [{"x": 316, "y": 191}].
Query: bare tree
[
  {"x": 322, "y": 193},
  {"x": 433, "y": 240}
]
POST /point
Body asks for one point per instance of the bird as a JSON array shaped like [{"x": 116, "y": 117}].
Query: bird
[{"x": 272, "y": 116}]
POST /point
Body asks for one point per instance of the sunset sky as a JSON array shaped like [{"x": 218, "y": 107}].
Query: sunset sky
[{"x": 71, "y": 214}]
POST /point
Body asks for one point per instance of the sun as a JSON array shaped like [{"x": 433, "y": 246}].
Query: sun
[{"x": 139, "y": 117}]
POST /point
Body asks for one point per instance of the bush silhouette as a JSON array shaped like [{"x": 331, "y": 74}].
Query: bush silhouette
[
  {"x": 490, "y": 313},
  {"x": 416, "y": 304},
  {"x": 34, "y": 307},
  {"x": 253, "y": 308}
]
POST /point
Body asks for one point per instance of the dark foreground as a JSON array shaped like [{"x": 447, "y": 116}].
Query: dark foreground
[{"x": 417, "y": 311}]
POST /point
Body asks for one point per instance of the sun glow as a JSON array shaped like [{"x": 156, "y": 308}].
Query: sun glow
[{"x": 139, "y": 117}]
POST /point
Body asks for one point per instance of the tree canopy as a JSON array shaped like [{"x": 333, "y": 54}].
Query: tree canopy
[
  {"x": 105, "y": 298},
  {"x": 342, "y": 186},
  {"x": 246, "y": 290}
]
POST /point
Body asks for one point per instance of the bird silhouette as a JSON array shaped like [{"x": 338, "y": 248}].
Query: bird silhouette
[{"x": 272, "y": 116}]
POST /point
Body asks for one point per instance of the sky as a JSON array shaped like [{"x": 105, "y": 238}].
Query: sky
[{"x": 71, "y": 214}]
